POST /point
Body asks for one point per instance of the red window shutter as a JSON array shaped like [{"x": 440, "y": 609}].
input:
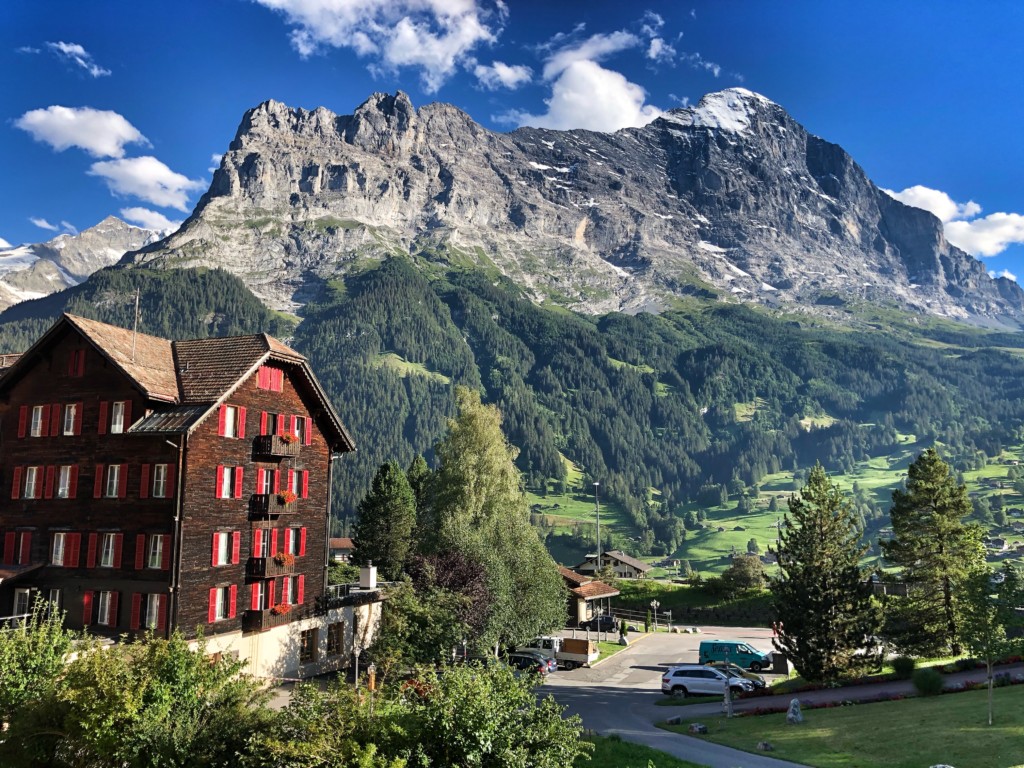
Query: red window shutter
[
  {"x": 97, "y": 485},
  {"x": 273, "y": 542},
  {"x": 118, "y": 544},
  {"x": 79, "y": 408},
  {"x": 169, "y": 488},
  {"x": 22, "y": 420},
  {"x": 277, "y": 480},
  {"x": 241, "y": 422},
  {"x": 211, "y": 613},
  {"x": 293, "y": 424},
  {"x": 55, "y": 420},
  {"x": 236, "y": 546},
  {"x": 37, "y": 486},
  {"x": 302, "y": 541},
  {"x": 233, "y": 601},
  {"x": 144, "y": 482},
  {"x": 73, "y": 482},
  {"x": 122, "y": 482},
  {"x": 287, "y": 539},
  {"x": 44, "y": 425},
  {"x": 102, "y": 428},
  {"x": 112, "y": 620},
  {"x": 213, "y": 556},
  {"x": 127, "y": 415},
  {"x": 239, "y": 476},
  {"x": 280, "y": 423},
  {"x": 261, "y": 377},
  {"x": 221, "y": 420},
  {"x": 80, "y": 363},
  {"x": 254, "y": 597},
  {"x": 260, "y": 476},
  {"x": 300, "y": 590},
  {"x": 263, "y": 423},
  {"x": 16, "y": 484},
  {"x": 305, "y": 483},
  {"x": 72, "y": 362},
  {"x": 90, "y": 551},
  {"x": 220, "y": 481},
  {"x": 9, "y": 544},
  {"x": 140, "y": 551},
  {"x": 161, "y": 614},
  {"x": 25, "y": 556},
  {"x": 86, "y": 608},
  {"x": 289, "y": 482},
  {"x": 48, "y": 485},
  {"x": 165, "y": 554},
  {"x": 278, "y": 380},
  {"x": 73, "y": 549},
  {"x": 285, "y": 583},
  {"x": 307, "y": 436},
  {"x": 257, "y": 542},
  {"x": 136, "y": 611},
  {"x": 271, "y": 583}
]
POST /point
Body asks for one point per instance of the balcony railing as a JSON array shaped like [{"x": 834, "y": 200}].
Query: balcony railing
[
  {"x": 262, "y": 620},
  {"x": 269, "y": 567},
  {"x": 269, "y": 504},
  {"x": 275, "y": 445}
]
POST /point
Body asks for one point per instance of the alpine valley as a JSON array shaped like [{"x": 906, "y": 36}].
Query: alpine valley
[{"x": 678, "y": 311}]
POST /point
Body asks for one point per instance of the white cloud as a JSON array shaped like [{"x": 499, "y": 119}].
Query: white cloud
[
  {"x": 100, "y": 133},
  {"x": 68, "y": 227},
  {"x": 652, "y": 23},
  {"x": 499, "y": 74},
  {"x": 43, "y": 224},
  {"x": 594, "y": 48},
  {"x": 986, "y": 236},
  {"x": 27, "y": 49},
  {"x": 4, "y": 243},
  {"x": 697, "y": 61},
  {"x": 432, "y": 35},
  {"x": 148, "y": 219},
  {"x": 215, "y": 159},
  {"x": 660, "y": 52},
  {"x": 586, "y": 95},
  {"x": 148, "y": 179},
  {"x": 76, "y": 54},
  {"x": 1007, "y": 274}
]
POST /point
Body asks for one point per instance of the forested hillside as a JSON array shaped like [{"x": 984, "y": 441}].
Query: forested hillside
[{"x": 700, "y": 399}]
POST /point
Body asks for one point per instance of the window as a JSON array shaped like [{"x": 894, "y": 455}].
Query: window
[
  {"x": 107, "y": 550},
  {"x": 159, "y": 481},
  {"x": 260, "y": 596},
  {"x": 308, "y": 642},
  {"x": 70, "y": 419},
  {"x": 22, "y": 601},
  {"x": 291, "y": 541},
  {"x": 270, "y": 378},
  {"x": 31, "y": 487},
  {"x": 155, "y": 552},
  {"x": 54, "y": 599},
  {"x": 38, "y": 421},
  {"x": 223, "y": 606},
  {"x": 113, "y": 480},
  {"x": 57, "y": 550},
  {"x": 117, "y": 410},
  {"x": 299, "y": 428},
  {"x": 76, "y": 363},
  {"x": 335, "y": 638},
  {"x": 231, "y": 422},
  {"x": 152, "y": 618},
  {"x": 106, "y": 609},
  {"x": 229, "y": 482},
  {"x": 221, "y": 548},
  {"x": 265, "y": 481},
  {"x": 261, "y": 543},
  {"x": 288, "y": 585},
  {"x": 64, "y": 483},
  {"x": 295, "y": 482}
]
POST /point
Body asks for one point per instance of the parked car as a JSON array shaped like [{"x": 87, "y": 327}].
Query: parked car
[
  {"x": 602, "y": 623},
  {"x": 735, "y": 670},
  {"x": 550, "y": 662},
  {"x": 527, "y": 663},
  {"x": 734, "y": 651},
  {"x": 701, "y": 680}
]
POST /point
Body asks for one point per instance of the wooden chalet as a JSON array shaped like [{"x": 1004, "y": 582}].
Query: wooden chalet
[
  {"x": 624, "y": 566},
  {"x": 588, "y": 597},
  {"x": 156, "y": 485}
]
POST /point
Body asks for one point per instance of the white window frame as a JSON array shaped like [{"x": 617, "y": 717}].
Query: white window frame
[
  {"x": 264, "y": 595},
  {"x": 293, "y": 541},
  {"x": 268, "y": 482},
  {"x": 296, "y": 483},
  {"x": 57, "y": 549},
  {"x": 36, "y": 428},
  {"x": 227, "y": 483},
  {"x": 336, "y": 629},
  {"x": 264, "y": 548},
  {"x": 155, "y": 551},
  {"x": 152, "y": 611},
  {"x": 159, "y": 481},
  {"x": 54, "y": 598},
  {"x": 22, "y": 601},
  {"x": 223, "y": 606},
  {"x": 64, "y": 482},
  {"x": 300, "y": 429},
  {"x": 70, "y": 414},
  {"x": 223, "y": 547},
  {"x": 107, "y": 547},
  {"x": 113, "y": 481},
  {"x": 230, "y": 421},
  {"x": 309, "y": 651},
  {"x": 31, "y": 488},
  {"x": 117, "y": 417},
  {"x": 103, "y": 609},
  {"x": 287, "y": 585}
]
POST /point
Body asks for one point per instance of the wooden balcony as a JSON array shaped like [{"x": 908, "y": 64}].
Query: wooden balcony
[
  {"x": 262, "y": 620},
  {"x": 269, "y": 567},
  {"x": 274, "y": 446},
  {"x": 269, "y": 505}
]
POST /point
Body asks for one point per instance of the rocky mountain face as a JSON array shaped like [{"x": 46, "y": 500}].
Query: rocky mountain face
[
  {"x": 39, "y": 269},
  {"x": 731, "y": 197}
]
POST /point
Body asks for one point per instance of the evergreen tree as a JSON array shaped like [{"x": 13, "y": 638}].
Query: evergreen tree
[
  {"x": 418, "y": 475},
  {"x": 936, "y": 551},
  {"x": 822, "y": 598},
  {"x": 387, "y": 517}
]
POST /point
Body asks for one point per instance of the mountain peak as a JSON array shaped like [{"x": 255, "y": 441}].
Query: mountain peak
[{"x": 730, "y": 110}]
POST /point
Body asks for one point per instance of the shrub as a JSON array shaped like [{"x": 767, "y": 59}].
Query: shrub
[
  {"x": 928, "y": 681},
  {"x": 903, "y": 666},
  {"x": 962, "y": 665}
]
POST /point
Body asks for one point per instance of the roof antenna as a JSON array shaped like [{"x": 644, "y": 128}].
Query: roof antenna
[{"x": 135, "y": 329}]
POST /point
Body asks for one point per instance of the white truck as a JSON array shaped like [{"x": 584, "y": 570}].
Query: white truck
[{"x": 569, "y": 652}]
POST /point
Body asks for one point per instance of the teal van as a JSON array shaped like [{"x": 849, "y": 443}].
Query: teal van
[{"x": 735, "y": 652}]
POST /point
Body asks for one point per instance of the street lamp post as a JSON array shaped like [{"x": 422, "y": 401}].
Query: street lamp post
[
  {"x": 655, "y": 605},
  {"x": 597, "y": 510}
]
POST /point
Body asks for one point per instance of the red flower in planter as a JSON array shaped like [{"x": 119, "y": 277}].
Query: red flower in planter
[
  {"x": 286, "y": 497},
  {"x": 281, "y": 609},
  {"x": 288, "y": 437},
  {"x": 286, "y": 559}
]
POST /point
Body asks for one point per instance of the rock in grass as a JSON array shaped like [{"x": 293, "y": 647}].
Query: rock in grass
[
  {"x": 698, "y": 728},
  {"x": 765, "y": 746},
  {"x": 794, "y": 716}
]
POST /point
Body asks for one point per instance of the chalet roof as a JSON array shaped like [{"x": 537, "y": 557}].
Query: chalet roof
[
  {"x": 576, "y": 579},
  {"x": 594, "y": 589},
  {"x": 207, "y": 368},
  {"x": 173, "y": 421},
  {"x": 341, "y": 542},
  {"x": 622, "y": 557}
]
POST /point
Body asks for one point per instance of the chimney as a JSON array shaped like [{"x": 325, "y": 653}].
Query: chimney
[{"x": 368, "y": 576}]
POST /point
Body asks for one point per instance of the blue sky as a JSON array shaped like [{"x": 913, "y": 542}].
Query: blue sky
[{"x": 121, "y": 107}]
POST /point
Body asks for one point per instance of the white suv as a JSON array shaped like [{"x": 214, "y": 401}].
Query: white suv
[{"x": 701, "y": 680}]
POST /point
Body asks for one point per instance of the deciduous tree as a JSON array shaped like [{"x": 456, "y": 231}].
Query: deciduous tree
[
  {"x": 822, "y": 597},
  {"x": 32, "y": 655}
]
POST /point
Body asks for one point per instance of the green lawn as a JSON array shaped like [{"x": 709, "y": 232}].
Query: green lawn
[
  {"x": 613, "y": 752},
  {"x": 949, "y": 729}
]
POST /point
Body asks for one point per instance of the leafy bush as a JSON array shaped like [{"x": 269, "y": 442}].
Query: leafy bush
[
  {"x": 962, "y": 665},
  {"x": 903, "y": 666},
  {"x": 928, "y": 681}
]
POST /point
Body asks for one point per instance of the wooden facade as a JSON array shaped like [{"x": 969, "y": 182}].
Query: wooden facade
[{"x": 149, "y": 484}]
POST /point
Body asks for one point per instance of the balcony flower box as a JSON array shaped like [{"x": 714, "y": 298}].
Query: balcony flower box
[
  {"x": 276, "y": 445},
  {"x": 269, "y": 567},
  {"x": 263, "y": 505},
  {"x": 286, "y": 497}
]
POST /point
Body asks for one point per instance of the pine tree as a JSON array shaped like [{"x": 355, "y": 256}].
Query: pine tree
[
  {"x": 418, "y": 475},
  {"x": 822, "y": 598},
  {"x": 936, "y": 551},
  {"x": 387, "y": 517}
]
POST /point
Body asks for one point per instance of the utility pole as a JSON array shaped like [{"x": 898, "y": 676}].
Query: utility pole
[{"x": 597, "y": 509}]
